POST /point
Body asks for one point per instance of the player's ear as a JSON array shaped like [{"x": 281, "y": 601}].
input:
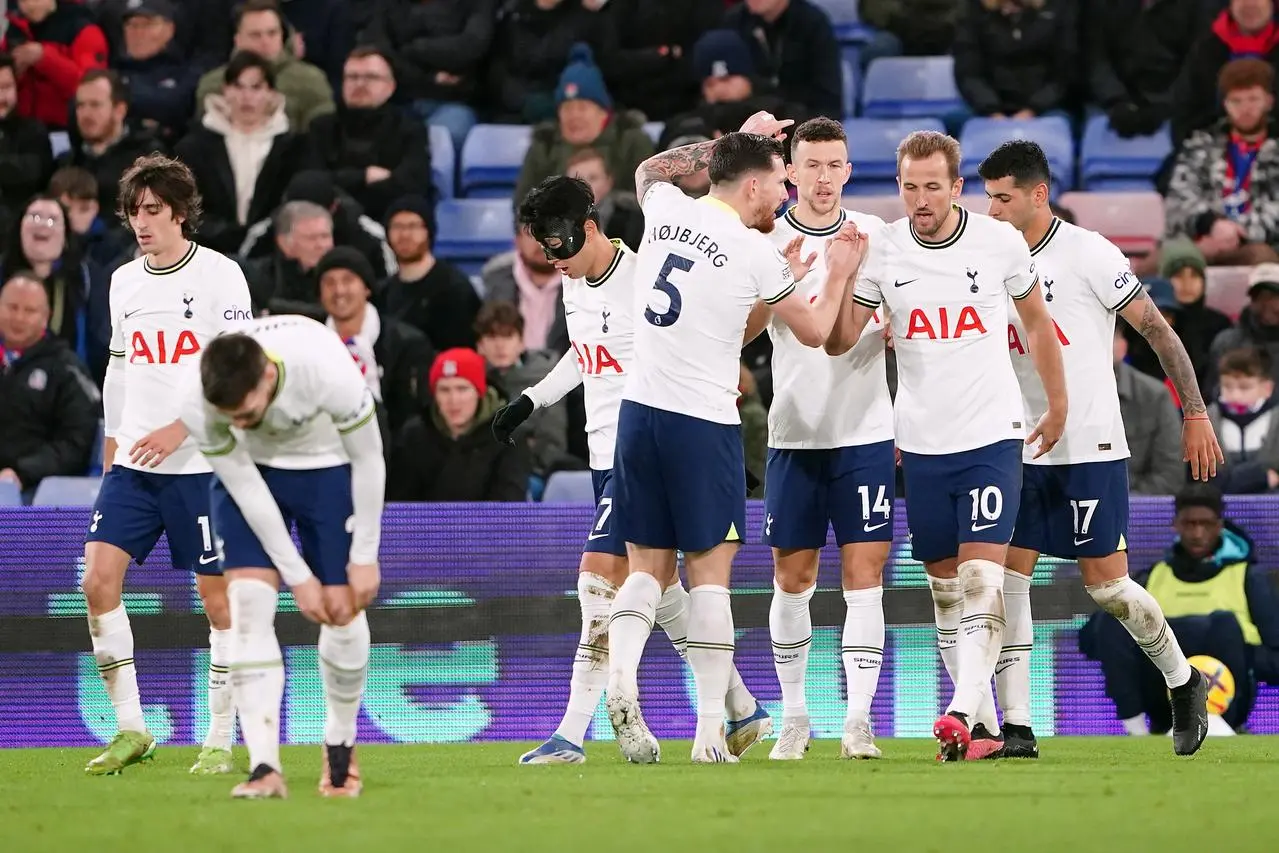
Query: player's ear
[
  {"x": 956, "y": 189},
  {"x": 792, "y": 174},
  {"x": 848, "y": 173},
  {"x": 1041, "y": 194}
]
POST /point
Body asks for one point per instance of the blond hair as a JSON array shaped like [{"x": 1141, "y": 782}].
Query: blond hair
[{"x": 922, "y": 144}]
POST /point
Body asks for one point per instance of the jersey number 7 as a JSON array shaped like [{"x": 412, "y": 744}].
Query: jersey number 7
[{"x": 665, "y": 285}]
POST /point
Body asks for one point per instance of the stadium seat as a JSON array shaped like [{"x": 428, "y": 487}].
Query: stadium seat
[
  {"x": 67, "y": 491},
  {"x": 983, "y": 135},
  {"x": 1132, "y": 221},
  {"x": 60, "y": 142},
  {"x": 1109, "y": 162},
  {"x": 472, "y": 230},
  {"x": 10, "y": 494},
  {"x": 491, "y": 159},
  {"x": 872, "y": 147},
  {"x": 654, "y": 130},
  {"x": 849, "y": 63},
  {"x": 443, "y": 161},
  {"x": 569, "y": 487},
  {"x": 844, "y": 16},
  {"x": 1228, "y": 290},
  {"x": 906, "y": 86}
]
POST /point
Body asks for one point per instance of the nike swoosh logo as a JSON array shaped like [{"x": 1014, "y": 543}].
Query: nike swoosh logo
[
  {"x": 1082, "y": 541},
  {"x": 868, "y": 666},
  {"x": 569, "y": 313},
  {"x": 869, "y": 529},
  {"x": 594, "y": 536},
  {"x": 1000, "y": 669},
  {"x": 904, "y": 283},
  {"x": 977, "y": 528},
  {"x": 128, "y": 314},
  {"x": 205, "y": 562}
]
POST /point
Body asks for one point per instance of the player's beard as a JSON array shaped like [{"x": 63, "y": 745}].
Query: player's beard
[
  {"x": 822, "y": 204},
  {"x": 764, "y": 220}
]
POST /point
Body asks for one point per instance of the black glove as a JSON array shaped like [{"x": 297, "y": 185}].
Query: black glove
[{"x": 509, "y": 418}]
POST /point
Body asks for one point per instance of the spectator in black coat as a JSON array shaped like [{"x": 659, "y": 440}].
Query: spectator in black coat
[
  {"x": 284, "y": 281},
  {"x": 447, "y": 452},
  {"x": 50, "y": 405},
  {"x": 323, "y": 32},
  {"x": 159, "y": 78},
  {"x": 204, "y": 28},
  {"x": 1135, "y": 52},
  {"x": 646, "y": 49},
  {"x": 437, "y": 48},
  {"x": 26, "y": 157},
  {"x": 103, "y": 141},
  {"x": 243, "y": 154},
  {"x": 530, "y": 49},
  {"x": 429, "y": 294},
  {"x": 795, "y": 49},
  {"x": 1017, "y": 58},
  {"x": 373, "y": 150}
]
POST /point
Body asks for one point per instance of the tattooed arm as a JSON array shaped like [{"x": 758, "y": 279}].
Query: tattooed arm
[{"x": 665, "y": 166}]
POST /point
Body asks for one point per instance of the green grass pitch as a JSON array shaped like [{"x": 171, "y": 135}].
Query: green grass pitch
[{"x": 1085, "y": 794}]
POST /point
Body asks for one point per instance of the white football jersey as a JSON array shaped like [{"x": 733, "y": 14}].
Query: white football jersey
[
  {"x": 698, "y": 274},
  {"x": 822, "y": 401},
  {"x": 1086, "y": 280},
  {"x": 319, "y": 393},
  {"x": 600, "y": 316},
  {"x": 948, "y": 307},
  {"x": 160, "y": 321}
]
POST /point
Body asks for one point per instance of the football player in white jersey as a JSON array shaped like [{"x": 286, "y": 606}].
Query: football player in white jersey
[
  {"x": 946, "y": 276},
  {"x": 679, "y": 477},
  {"x": 1074, "y": 499},
  {"x": 599, "y": 303},
  {"x": 165, "y": 306},
  {"x": 830, "y": 460},
  {"x": 289, "y": 425}
]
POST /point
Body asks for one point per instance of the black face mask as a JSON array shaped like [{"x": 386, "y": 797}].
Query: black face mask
[{"x": 561, "y": 239}]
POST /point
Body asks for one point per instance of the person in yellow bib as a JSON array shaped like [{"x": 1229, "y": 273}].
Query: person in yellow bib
[{"x": 1219, "y": 603}]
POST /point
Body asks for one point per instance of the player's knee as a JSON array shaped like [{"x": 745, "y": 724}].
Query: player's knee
[
  {"x": 217, "y": 605},
  {"x": 252, "y": 603},
  {"x": 795, "y": 571},
  {"x": 980, "y": 577},
  {"x": 863, "y": 565},
  {"x": 610, "y": 568},
  {"x": 103, "y": 581},
  {"x": 340, "y": 606}
]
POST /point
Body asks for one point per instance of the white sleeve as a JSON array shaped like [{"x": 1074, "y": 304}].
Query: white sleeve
[
  {"x": 116, "y": 347},
  {"x": 563, "y": 378},
  {"x": 1021, "y": 276},
  {"x": 1110, "y": 276},
  {"x": 774, "y": 280},
  {"x": 113, "y": 394},
  {"x": 868, "y": 289},
  {"x": 233, "y": 303}
]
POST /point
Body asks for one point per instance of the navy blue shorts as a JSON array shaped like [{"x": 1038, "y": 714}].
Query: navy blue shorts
[
  {"x": 1073, "y": 511},
  {"x": 135, "y": 507},
  {"x": 954, "y": 498},
  {"x": 316, "y": 502},
  {"x": 603, "y": 538},
  {"x": 848, "y": 488},
  {"x": 678, "y": 481}
]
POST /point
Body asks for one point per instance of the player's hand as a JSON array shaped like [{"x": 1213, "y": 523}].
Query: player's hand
[
  {"x": 364, "y": 580},
  {"x": 766, "y": 124},
  {"x": 157, "y": 446},
  {"x": 1199, "y": 447},
  {"x": 509, "y": 418},
  {"x": 1048, "y": 431},
  {"x": 844, "y": 253},
  {"x": 793, "y": 253},
  {"x": 309, "y": 596}
]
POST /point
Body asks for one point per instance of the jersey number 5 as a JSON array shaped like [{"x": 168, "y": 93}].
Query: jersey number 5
[{"x": 665, "y": 285}]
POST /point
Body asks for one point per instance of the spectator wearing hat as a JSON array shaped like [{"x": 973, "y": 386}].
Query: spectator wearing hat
[
  {"x": 393, "y": 356},
  {"x": 1152, "y": 425},
  {"x": 795, "y": 50},
  {"x": 1258, "y": 322},
  {"x": 1244, "y": 419},
  {"x": 530, "y": 49},
  {"x": 160, "y": 78},
  {"x": 429, "y": 293},
  {"x": 52, "y": 44},
  {"x": 445, "y": 453},
  {"x": 585, "y": 118},
  {"x": 373, "y": 150}
]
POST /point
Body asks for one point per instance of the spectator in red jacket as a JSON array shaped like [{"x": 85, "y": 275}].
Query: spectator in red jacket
[{"x": 53, "y": 44}]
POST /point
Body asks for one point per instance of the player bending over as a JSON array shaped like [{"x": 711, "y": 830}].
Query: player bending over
[
  {"x": 599, "y": 300},
  {"x": 288, "y": 423},
  {"x": 946, "y": 276},
  {"x": 1074, "y": 499},
  {"x": 679, "y": 478},
  {"x": 165, "y": 307},
  {"x": 830, "y": 459}
]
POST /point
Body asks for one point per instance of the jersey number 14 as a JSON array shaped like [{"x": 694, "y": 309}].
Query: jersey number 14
[{"x": 665, "y": 285}]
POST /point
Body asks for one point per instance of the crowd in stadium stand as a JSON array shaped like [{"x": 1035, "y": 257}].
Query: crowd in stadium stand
[{"x": 329, "y": 141}]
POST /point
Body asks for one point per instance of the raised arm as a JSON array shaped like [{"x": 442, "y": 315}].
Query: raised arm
[{"x": 665, "y": 166}]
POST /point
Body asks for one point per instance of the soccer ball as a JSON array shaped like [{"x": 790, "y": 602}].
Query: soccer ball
[{"x": 1221, "y": 683}]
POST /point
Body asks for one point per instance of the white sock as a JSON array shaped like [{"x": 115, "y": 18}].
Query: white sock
[
  {"x": 257, "y": 669},
  {"x": 113, "y": 649},
  {"x": 1136, "y": 725},
  {"x": 1140, "y": 614},
  {"x": 221, "y": 709},
  {"x": 863, "y": 648},
  {"x": 1012, "y": 672},
  {"x": 344, "y": 666},
  {"x": 590, "y": 664},
  {"x": 791, "y": 626},
  {"x": 710, "y": 651},
  {"x": 672, "y": 616},
  {"x": 981, "y": 635},
  {"x": 630, "y": 622},
  {"x": 948, "y": 609}
]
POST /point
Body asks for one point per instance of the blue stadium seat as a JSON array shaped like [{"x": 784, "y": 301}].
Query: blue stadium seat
[
  {"x": 654, "y": 130},
  {"x": 472, "y": 230},
  {"x": 849, "y": 63},
  {"x": 60, "y": 142},
  {"x": 849, "y": 28},
  {"x": 569, "y": 487},
  {"x": 905, "y": 86},
  {"x": 443, "y": 161},
  {"x": 491, "y": 159},
  {"x": 872, "y": 148},
  {"x": 1108, "y": 162},
  {"x": 67, "y": 491},
  {"x": 10, "y": 494},
  {"x": 983, "y": 135}
]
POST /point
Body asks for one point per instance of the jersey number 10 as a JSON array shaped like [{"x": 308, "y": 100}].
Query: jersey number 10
[{"x": 665, "y": 285}]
